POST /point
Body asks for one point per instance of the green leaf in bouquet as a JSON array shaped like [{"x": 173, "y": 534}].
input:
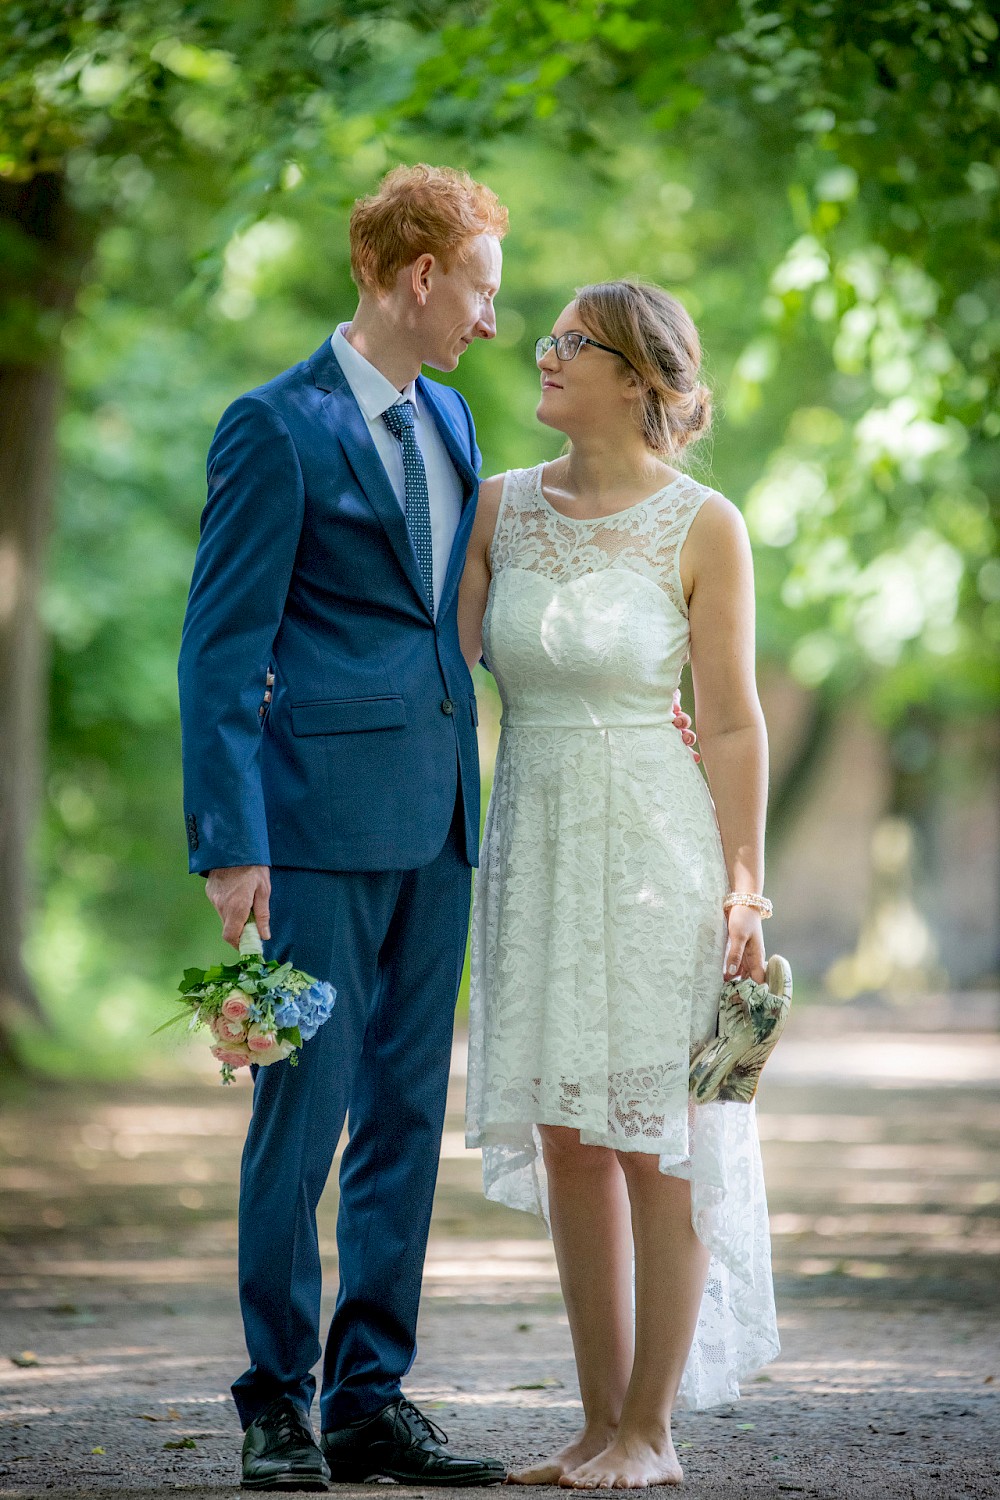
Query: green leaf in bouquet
[
  {"x": 181, "y": 1015},
  {"x": 214, "y": 973},
  {"x": 278, "y": 976},
  {"x": 192, "y": 979},
  {"x": 290, "y": 1034}
]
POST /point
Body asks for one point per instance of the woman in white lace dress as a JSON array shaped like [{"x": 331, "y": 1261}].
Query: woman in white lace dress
[{"x": 599, "y": 940}]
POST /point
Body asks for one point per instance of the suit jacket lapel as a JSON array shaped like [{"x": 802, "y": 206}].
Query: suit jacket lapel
[
  {"x": 470, "y": 486},
  {"x": 456, "y": 452},
  {"x": 351, "y": 430},
  {"x": 456, "y": 563}
]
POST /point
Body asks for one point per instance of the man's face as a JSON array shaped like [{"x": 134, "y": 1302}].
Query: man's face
[{"x": 459, "y": 305}]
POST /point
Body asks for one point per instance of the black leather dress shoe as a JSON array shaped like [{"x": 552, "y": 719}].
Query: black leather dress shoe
[
  {"x": 280, "y": 1452},
  {"x": 400, "y": 1443}
]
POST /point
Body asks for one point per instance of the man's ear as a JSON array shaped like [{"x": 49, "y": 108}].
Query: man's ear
[{"x": 421, "y": 273}]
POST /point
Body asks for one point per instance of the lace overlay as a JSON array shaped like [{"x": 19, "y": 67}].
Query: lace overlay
[{"x": 598, "y": 936}]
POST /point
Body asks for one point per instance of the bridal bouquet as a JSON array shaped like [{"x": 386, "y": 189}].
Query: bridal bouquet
[{"x": 257, "y": 1010}]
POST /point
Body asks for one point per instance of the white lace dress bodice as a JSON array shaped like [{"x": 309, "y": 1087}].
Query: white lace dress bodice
[{"x": 598, "y": 934}]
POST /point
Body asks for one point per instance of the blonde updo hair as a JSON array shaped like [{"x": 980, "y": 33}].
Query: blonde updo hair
[{"x": 656, "y": 335}]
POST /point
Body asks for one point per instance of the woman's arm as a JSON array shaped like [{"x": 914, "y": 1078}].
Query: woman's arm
[
  {"x": 727, "y": 710},
  {"x": 475, "y": 585}
]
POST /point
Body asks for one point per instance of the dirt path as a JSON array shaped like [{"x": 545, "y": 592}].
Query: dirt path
[{"x": 119, "y": 1330}]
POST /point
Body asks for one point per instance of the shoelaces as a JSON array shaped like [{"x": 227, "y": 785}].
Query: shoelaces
[
  {"x": 412, "y": 1411},
  {"x": 286, "y": 1423}
]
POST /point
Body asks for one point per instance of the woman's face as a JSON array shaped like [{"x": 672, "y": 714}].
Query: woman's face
[{"x": 593, "y": 389}]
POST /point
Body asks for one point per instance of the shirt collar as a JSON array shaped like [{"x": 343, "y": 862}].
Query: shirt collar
[{"x": 370, "y": 388}]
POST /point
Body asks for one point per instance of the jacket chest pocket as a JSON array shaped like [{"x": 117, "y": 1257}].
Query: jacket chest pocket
[{"x": 347, "y": 715}]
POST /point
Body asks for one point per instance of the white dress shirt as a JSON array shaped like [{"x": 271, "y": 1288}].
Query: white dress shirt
[{"x": 375, "y": 394}]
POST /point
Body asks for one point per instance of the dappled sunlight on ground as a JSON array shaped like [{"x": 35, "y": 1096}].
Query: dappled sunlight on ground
[{"x": 121, "y": 1327}]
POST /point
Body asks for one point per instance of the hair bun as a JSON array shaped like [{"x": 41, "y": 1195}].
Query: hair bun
[{"x": 701, "y": 410}]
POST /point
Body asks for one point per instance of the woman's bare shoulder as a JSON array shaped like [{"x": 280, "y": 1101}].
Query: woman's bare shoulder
[
  {"x": 717, "y": 547},
  {"x": 487, "y": 511},
  {"x": 718, "y": 523},
  {"x": 718, "y": 513},
  {"x": 488, "y": 504},
  {"x": 491, "y": 491}
]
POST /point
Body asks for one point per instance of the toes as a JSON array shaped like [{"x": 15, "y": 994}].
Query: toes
[{"x": 594, "y": 1479}]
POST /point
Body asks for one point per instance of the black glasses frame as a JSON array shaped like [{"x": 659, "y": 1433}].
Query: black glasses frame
[{"x": 566, "y": 351}]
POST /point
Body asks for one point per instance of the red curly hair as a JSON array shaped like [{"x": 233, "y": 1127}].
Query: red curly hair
[{"x": 416, "y": 211}]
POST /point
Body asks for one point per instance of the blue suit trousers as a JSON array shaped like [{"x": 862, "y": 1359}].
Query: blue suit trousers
[{"x": 392, "y": 942}]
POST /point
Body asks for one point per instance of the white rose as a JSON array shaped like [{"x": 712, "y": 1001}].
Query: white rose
[{"x": 277, "y": 1052}]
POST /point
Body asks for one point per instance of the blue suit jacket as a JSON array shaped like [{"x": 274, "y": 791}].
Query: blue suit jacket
[{"x": 305, "y": 565}]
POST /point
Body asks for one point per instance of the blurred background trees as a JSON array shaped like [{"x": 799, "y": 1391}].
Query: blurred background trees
[{"x": 818, "y": 182}]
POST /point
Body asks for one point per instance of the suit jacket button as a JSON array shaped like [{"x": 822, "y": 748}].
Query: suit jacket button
[{"x": 447, "y": 707}]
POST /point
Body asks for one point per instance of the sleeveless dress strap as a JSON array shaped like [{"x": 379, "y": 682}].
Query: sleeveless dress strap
[
  {"x": 516, "y": 484},
  {"x": 694, "y": 496}
]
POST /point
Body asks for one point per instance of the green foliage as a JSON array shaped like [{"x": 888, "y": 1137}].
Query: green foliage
[
  {"x": 209, "y": 81},
  {"x": 817, "y": 181},
  {"x": 869, "y": 383}
]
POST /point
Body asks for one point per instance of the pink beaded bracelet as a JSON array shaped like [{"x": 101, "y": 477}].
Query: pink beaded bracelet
[{"x": 759, "y": 904}]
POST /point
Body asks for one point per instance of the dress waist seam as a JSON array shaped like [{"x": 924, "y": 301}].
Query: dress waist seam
[{"x": 507, "y": 723}]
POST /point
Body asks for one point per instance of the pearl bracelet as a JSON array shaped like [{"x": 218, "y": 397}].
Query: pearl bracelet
[{"x": 759, "y": 904}]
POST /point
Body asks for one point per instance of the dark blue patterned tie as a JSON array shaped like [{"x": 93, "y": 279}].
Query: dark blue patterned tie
[{"x": 399, "y": 420}]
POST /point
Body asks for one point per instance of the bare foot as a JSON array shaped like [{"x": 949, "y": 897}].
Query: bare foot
[
  {"x": 585, "y": 1446},
  {"x": 627, "y": 1463}
]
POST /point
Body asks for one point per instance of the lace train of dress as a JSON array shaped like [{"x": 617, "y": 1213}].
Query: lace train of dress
[{"x": 597, "y": 936}]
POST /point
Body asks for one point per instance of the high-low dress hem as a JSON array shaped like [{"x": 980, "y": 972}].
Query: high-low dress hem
[{"x": 597, "y": 933}]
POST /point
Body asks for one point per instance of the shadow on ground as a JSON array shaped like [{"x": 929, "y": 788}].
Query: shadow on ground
[{"x": 120, "y": 1327}]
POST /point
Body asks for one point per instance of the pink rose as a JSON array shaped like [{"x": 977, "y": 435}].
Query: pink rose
[
  {"x": 236, "y": 1056},
  {"x": 265, "y": 1048},
  {"x": 235, "y": 1006},
  {"x": 227, "y": 1031},
  {"x": 259, "y": 1040}
]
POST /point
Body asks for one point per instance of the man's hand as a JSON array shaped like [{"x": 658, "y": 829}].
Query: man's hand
[
  {"x": 235, "y": 892},
  {"x": 682, "y": 721}
]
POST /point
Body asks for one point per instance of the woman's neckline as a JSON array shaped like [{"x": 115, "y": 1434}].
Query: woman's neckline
[{"x": 611, "y": 515}]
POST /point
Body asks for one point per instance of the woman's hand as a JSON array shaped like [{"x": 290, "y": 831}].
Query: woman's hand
[
  {"x": 682, "y": 721},
  {"x": 745, "y": 948}
]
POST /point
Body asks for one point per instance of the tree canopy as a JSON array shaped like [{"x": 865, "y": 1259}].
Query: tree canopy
[{"x": 817, "y": 181}]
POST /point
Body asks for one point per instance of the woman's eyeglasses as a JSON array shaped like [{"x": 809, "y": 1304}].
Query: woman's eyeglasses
[{"x": 568, "y": 345}]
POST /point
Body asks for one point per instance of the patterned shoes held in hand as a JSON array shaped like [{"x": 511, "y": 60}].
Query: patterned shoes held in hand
[{"x": 751, "y": 1018}]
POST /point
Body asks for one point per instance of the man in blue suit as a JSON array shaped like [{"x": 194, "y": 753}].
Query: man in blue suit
[{"x": 342, "y": 808}]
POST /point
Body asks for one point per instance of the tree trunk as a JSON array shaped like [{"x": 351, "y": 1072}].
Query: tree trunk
[
  {"x": 788, "y": 795},
  {"x": 896, "y": 952},
  {"x": 39, "y": 242}
]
